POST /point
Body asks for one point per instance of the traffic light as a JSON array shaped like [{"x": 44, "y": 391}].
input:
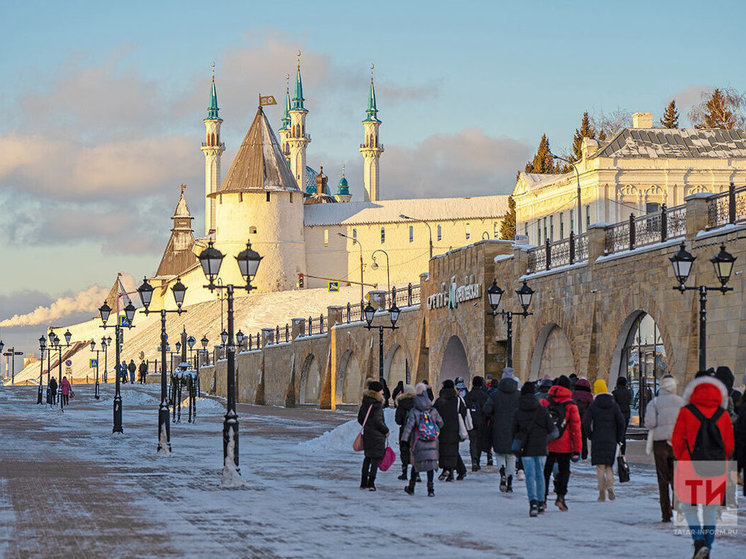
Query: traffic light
[{"x": 300, "y": 281}]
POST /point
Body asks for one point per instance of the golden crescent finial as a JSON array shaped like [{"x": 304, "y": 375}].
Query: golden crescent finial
[
  {"x": 287, "y": 83},
  {"x": 213, "y": 70},
  {"x": 372, "y": 66},
  {"x": 299, "y": 53},
  {"x": 343, "y": 171}
]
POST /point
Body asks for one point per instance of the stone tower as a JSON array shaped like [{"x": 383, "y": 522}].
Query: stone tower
[
  {"x": 297, "y": 139},
  {"x": 213, "y": 148},
  {"x": 371, "y": 148}
]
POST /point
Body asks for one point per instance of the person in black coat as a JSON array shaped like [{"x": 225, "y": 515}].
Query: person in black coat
[
  {"x": 532, "y": 424},
  {"x": 449, "y": 406},
  {"x": 479, "y": 437},
  {"x": 605, "y": 426},
  {"x": 398, "y": 389},
  {"x": 404, "y": 403},
  {"x": 375, "y": 433},
  {"x": 386, "y": 393},
  {"x": 52, "y": 391},
  {"x": 500, "y": 407},
  {"x": 739, "y": 432},
  {"x": 623, "y": 397}
]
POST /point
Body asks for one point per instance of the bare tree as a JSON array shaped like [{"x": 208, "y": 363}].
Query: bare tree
[
  {"x": 608, "y": 125},
  {"x": 719, "y": 108}
]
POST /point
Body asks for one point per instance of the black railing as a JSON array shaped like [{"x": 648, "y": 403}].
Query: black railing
[
  {"x": 646, "y": 230},
  {"x": 564, "y": 252},
  {"x": 727, "y": 207}
]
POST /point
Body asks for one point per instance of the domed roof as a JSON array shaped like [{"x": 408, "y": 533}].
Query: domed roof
[{"x": 310, "y": 186}]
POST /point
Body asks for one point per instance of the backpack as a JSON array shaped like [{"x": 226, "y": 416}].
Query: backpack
[
  {"x": 558, "y": 415},
  {"x": 427, "y": 429},
  {"x": 708, "y": 445}
]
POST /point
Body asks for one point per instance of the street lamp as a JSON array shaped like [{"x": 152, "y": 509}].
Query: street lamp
[
  {"x": 369, "y": 313},
  {"x": 248, "y": 263},
  {"x": 129, "y": 315},
  {"x": 97, "y": 351},
  {"x": 355, "y": 241},
  {"x": 204, "y": 341},
  {"x": 57, "y": 346},
  {"x": 106, "y": 344},
  {"x": 577, "y": 178},
  {"x": 494, "y": 295},
  {"x": 429, "y": 229},
  {"x": 146, "y": 296},
  {"x": 682, "y": 263},
  {"x": 42, "y": 347},
  {"x": 191, "y": 340},
  {"x": 388, "y": 269},
  {"x": 240, "y": 338}
]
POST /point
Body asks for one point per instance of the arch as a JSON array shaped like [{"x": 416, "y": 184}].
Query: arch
[
  {"x": 396, "y": 366},
  {"x": 697, "y": 189},
  {"x": 552, "y": 353},
  {"x": 349, "y": 379},
  {"x": 310, "y": 381},
  {"x": 455, "y": 363}
]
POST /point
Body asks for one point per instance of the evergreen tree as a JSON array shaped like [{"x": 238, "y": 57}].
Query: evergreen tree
[
  {"x": 507, "y": 227},
  {"x": 585, "y": 131},
  {"x": 721, "y": 110},
  {"x": 543, "y": 162},
  {"x": 670, "y": 116}
]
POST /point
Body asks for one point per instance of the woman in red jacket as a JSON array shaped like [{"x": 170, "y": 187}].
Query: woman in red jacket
[{"x": 705, "y": 397}]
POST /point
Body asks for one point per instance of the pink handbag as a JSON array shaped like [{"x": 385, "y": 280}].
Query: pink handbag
[
  {"x": 389, "y": 457},
  {"x": 357, "y": 444}
]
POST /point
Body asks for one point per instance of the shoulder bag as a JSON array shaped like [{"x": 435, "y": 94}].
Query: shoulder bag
[{"x": 357, "y": 444}]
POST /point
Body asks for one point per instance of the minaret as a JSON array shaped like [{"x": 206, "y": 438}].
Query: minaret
[
  {"x": 370, "y": 148},
  {"x": 284, "y": 130},
  {"x": 297, "y": 140},
  {"x": 343, "y": 189},
  {"x": 213, "y": 148}
]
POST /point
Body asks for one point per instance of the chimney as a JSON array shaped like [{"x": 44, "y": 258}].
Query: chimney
[{"x": 642, "y": 120}]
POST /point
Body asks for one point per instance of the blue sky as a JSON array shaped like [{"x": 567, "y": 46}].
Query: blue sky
[{"x": 101, "y": 104}]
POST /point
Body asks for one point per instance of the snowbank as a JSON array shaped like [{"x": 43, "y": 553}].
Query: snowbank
[{"x": 340, "y": 438}]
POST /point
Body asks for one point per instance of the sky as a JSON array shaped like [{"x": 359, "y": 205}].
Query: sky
[{"x": 101, "y": 108}]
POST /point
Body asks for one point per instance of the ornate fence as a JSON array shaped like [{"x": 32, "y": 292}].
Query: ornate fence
[
  {"x": 564, "y": 252},
  {"x": 727, "y": 207}
]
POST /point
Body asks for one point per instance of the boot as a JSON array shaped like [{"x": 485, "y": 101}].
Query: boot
[
  {"x": 372, "y": 483},
  {"x": 701, "y": 551},
  {"x": 430, "y": 489},
  {"x": 364, "y": 481},
  {"x": 475, "y": 464},
  {"x": 489, "y": 459},
  {"x": 560, "y": 502},
  {"x": 409, "y": 489},
  {"x": 461, "y": 476},
  {"x": 612, "y": 495},
  {"x": 443, "y": 475},
  {"x": 403, "y": 475},
  {"x": 534, "y": 510},
  {"x": 509, "y": 488},
  {"x": 418, "y": 479},
  {"x": 503, "y": 485},
  {"x": 449, "y": 477},
  {"x": 542, "y": 506},
  {"x": 601, "y": 496}
]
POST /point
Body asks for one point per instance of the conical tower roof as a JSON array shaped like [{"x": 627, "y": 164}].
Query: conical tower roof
[{"x": 259, "y": 163}]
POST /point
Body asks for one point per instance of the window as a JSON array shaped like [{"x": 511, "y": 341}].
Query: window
[
  {"x": 587, "y": 216},
  {"x": 546, "y": 231},
  {"x": 267, "y": 196},
  {"x": 562, "y": 227},
  {"x": 326, "y": 237},
  {"x": 354, "y": 234},
  {"x": 291, "y": 197},
  {"x": 538, "y": 228},
  {"x": 440, "y": 233},
  {"x": 383, "y": 235},
  {"x": 468, "y": 231},
  {"x": 572, "y": 223},
  {"x": 411, "y": 233},
  {"x": 525, "y": 229},
  {"x": 652, "y": 208},
  {"x": 252, "y": 230},
  {"x": 551, "y": 228}
]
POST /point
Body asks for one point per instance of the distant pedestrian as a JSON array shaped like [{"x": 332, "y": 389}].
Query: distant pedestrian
[
  {"x": 421, "y": 432},
  {"x": 501, "y": 407},
  {"x": 429, "y": 390},
  {"x": 398, "y": 389},
  {"x": 65, "y": 389},
  {"x": 583, "y": 397},
  {"x": 542, "y": 390},
  {"x": 132, "y": 368},
  {"x": 531, "y": 425},
  {"x": 375, "y": 433},
  {"x": 52, "y": 391},
  {"x": 386, "y": 392},
  {"x": 479, "y": 437},
  {"x": 660, "y": 418},
  {"x": 404, "y": 404},
  {"x": 460, "y": 386},
  {"x": 448, "y": 404},
  {"x": 122, "y": 371},
  {"x": 143, "y": 369},
  {"x": 740, "y": 443},
  {"x": 623, "y": 396},
  {"x": 605, "y": 427},
  {"x": 705, "y": 404}
]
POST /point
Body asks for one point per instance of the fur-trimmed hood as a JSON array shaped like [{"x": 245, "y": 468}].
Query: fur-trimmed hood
[
  {"x": 375, "y": 395},
  {"x": 704, "y": 391},
  {"x": 405, "y": 396}
]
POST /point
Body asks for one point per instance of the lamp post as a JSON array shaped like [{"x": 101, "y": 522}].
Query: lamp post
[
  {"x": 57, "y": 346},
  {"x": 204, "y": 341},
  {"x": 494, "y": 294},
  {"x": 12, "y": 354},
  {"x": 42, "y": 347},
  {"x": 429, "y": 229},
  {"x": 248, "y": 262},
  {"x": 146, "y": 296},
  {"x": 388, "y": 269},
  {"x": 106, "y": 344},
  {"x": 369, "y": 312},
  {"x": 191, "y": 340},
  {"x": 97, "y": 351},
  {"x": 129, "y": 314},
  {"x": 682, "y": 263},
  {"x": 577, "y": 178},
  {"x": 362, "y": 282}
]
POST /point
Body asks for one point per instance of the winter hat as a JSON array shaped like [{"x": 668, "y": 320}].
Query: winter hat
[
  {"x": 448, "y": 383},
  {"x": 421, "y": 388},
  {"x": 368, "y": 381},
  {"x": 508, "y": 372},
  {"x": 477, "y": 381},
  {"x": 546, "y": 377},
  {"x": 528, "y": 388},
  {"x": 564, "y": 381},
  {"x": 668, "y": 383},
  {"x": 459, "y": 380},
  {"x": 375, "y": 386},
  {"x": 545, "y": 384},
  {"x": 724, "y": 375},
  {"x": 599, "y": 387},
  {"x": 621, "y": 381},
  {"x": 408, "y": 389}
]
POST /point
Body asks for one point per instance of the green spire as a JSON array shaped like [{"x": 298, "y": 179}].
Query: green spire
[
  {"x": 286, "y": 113},
  {"x": 343, "y": 188},
  {"x": 372, "y": 110},
  {"x": 298, "y": 97},
  {"x": 212, "y": 109}
]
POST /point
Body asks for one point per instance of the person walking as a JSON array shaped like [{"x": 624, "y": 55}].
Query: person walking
[
  {"x": 132, "y": 368},
  {"x": 461, "y": 387},
  {"x": 479, "y": 437},
  {"x": 583, "y": 397},
  {"x": 739, "y": 431},
  {"x": 660, "y": 418},
  {"x": 122, "y": 372},
  {"x": 398, "y": 389},
  {"x": 568, "y": 446},
  {"x": 65, "y": 390},
  {"x": 605, "y": 426},
  {"x": 143, "y": 370},
  {"x": 532, "y": 425},
  {"x": 704, "y": 411},
  {"x": 404, "y": 403},
  {"x": 375, "y": 433},
  {"x": 448, "y": 405},
  {"x": 422, "y": 436},
  {"x": 52, "y": 391},
  {"x": 623, "y": 396},
  {"x": 501, "y": 407}
]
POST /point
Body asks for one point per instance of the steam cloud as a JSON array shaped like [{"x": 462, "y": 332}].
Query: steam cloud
[{"x": 86, "y": 301}]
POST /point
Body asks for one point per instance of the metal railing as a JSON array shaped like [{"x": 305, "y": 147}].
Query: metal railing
[
  {"x": 564, "y": 252},
  {"x": 646, "y": 230},
  {"x": 726, "y": 207}
]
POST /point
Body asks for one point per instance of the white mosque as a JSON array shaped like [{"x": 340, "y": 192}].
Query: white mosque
[{"x": 308, "y": 235}]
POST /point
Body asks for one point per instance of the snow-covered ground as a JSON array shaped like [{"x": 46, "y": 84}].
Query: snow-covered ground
[{"x": 301, "y": 500}]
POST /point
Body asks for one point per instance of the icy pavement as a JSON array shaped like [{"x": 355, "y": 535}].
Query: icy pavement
[{"x": 69, "y": 488}]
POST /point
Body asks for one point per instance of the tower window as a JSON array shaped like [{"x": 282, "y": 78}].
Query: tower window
[
  {"x": 468, "y": 231},
  {"x": 383, "y": 235},
  {"x": 326, "y": 237},
  {"x": 551, "y": 228},
  {"x": 440, "y": 233},
  {"x": 252, "y": 230},
  {"x": 572, "y": 222},
  {"x": 587, "y": 216},
  {"x": 525, "y": 229},
  {"x": 411, "y": 233},
  {"x": 354, "y": 233},
  {"x": 267, "y": 196},
  {"x": 562, "y": 226}
]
